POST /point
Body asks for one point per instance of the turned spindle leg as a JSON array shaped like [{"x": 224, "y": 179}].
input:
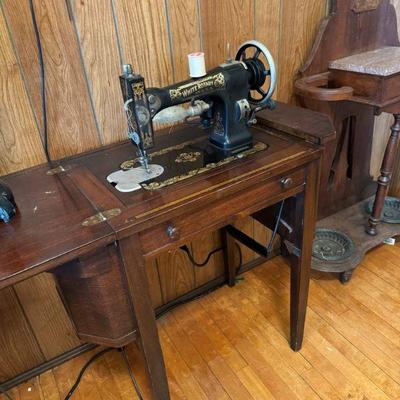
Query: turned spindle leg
[{"x": 385, "y": 177}]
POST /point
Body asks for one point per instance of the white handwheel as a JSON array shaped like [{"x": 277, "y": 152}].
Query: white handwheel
[{"x": 260, "y": 75}]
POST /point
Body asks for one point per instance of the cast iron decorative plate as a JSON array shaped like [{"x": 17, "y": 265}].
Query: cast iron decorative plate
[
  {"x": 391, "y": 209},
  {"x": 332, "y": 245}
]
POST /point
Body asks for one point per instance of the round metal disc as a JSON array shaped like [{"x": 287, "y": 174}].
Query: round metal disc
[
  {"x": 332, "y": 245},
  {"x": 391, "y": 210}
]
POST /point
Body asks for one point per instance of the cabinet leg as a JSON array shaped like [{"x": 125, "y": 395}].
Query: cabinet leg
[
  {"x": 385, "y": 177},
  {"x": 133, "y": 265},
  {"x": 229, "y": 257},
  {"x": 305, "y": 219},
  {"x": 345, "y": 277}
]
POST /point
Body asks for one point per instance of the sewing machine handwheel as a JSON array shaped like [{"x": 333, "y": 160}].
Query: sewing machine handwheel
[{"x": 259, "y": 71}]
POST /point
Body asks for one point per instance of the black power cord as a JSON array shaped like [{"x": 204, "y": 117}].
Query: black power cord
[
  {"x": 42, "y": 81},
  {"x": 132, "y": 376},
  {"x": 207, "y": 259},
  {"x": 84, "y": 368},
  {"x": 123, "y": 350},
  {"x": 278, "y": 221}
]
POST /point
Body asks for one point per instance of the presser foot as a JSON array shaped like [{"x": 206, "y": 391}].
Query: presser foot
[{"x": 131, "y": 179}]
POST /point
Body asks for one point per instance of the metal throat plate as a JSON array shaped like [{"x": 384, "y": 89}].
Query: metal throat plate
[
  {"x": 332, "y": 245},
  {"x": 391, "y": 209}
]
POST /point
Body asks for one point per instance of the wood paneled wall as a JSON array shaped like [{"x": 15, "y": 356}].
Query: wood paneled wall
[{"x": 85, "y": 42}]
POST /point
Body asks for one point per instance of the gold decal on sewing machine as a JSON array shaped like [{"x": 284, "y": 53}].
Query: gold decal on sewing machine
[
  {"x": 259, "y": 146},
  {"x": 188, "y": 157},
  {"x": 129, "y": 164},
  {"x": 216, "y": 81},
  {"x": 138, "y": 89},
  {"x": 359, "y": 6}
]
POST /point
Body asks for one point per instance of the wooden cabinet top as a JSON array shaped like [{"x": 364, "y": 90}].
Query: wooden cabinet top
[{"x": 48, "y": 230}]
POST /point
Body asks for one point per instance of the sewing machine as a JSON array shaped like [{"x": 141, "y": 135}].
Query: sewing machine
[{"x": 226, "y": 100}]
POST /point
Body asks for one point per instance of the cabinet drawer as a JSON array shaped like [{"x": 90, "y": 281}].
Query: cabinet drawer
[{"x": 222, "y": 211}]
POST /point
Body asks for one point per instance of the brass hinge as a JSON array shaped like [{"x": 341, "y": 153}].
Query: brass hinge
[
  {"x": 360, "y": 6},
  {"x": 101, "y": 217},
  {"x": 57, "y": 170}
]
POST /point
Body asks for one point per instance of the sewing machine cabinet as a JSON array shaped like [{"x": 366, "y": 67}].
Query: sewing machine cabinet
[{"x": 71, "y": 222}]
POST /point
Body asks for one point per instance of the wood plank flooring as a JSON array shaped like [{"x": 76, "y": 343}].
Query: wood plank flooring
[{"x": 232, "y": 343}]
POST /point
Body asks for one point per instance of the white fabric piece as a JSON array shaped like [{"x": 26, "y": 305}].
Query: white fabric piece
[{"x": 128, "y": 181}]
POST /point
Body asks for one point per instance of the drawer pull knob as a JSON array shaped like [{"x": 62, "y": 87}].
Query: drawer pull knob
[
  {"x": 173, "y": 232},
  {"x": 286, "y": 182}
]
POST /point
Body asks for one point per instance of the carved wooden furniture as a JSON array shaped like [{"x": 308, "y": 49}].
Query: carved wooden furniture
[
  {"x": 73, "y": 223},
  {"x": 352, "y": 74}
]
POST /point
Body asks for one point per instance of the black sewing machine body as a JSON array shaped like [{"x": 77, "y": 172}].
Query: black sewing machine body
[
  {"x": 222, "y": 98},
  {"x": 226, "y": 89}
]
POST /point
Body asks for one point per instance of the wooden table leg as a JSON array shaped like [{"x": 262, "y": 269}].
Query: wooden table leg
[
  {"x": 229, "y": 257},
  {"x": 385, "y": 177},
  {"x": 305, "y": 219},
  {"x": 134, "y": 266}
]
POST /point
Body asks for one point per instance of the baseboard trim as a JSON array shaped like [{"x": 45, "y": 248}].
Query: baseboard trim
[{"x": 31, "y": 373}]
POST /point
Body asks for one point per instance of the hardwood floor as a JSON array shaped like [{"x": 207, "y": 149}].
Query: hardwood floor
[{"x": 232, "y": 343}]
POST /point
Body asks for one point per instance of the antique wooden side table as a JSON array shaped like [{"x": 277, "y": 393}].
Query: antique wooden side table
[
  {"x": 353, "y": 74},
  {"x": 73, "y": 223}
]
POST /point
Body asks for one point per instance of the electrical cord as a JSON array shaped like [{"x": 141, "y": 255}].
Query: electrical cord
[
  {"x": 205, "y": 262},
  {"x": 123, "y": 350},
  {"x": 3, "y": 391},
  {"x": 275, "y": 231},
  {"x": 84, "y": 368},
  {"x": 42, "y": 81},
  {"x": 94, "y": 358},
  {"x": 132, "y": 376}
]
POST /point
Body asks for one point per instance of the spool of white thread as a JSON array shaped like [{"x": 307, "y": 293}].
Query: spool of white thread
[{"x": 197, "y": 65}]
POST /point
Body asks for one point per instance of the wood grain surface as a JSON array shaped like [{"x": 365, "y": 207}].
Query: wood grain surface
[
  {"x": 231, "y": 344},
  {"x": 82, "y": 40},
  {"x": 300, "y": 22},
  {"x": 176, "y": 274},
  {"x": 225, "y": 22},
  {"x": 99, "y": 46},
  {"x": 184, "y": 25},
  {"x": 20, "y": 145},
  {"x": 20, "y": 350},
  {"x": 46, "y": 315},
  {"x": 71, "y": 123},
  {"x": 143, "y": 37}
]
